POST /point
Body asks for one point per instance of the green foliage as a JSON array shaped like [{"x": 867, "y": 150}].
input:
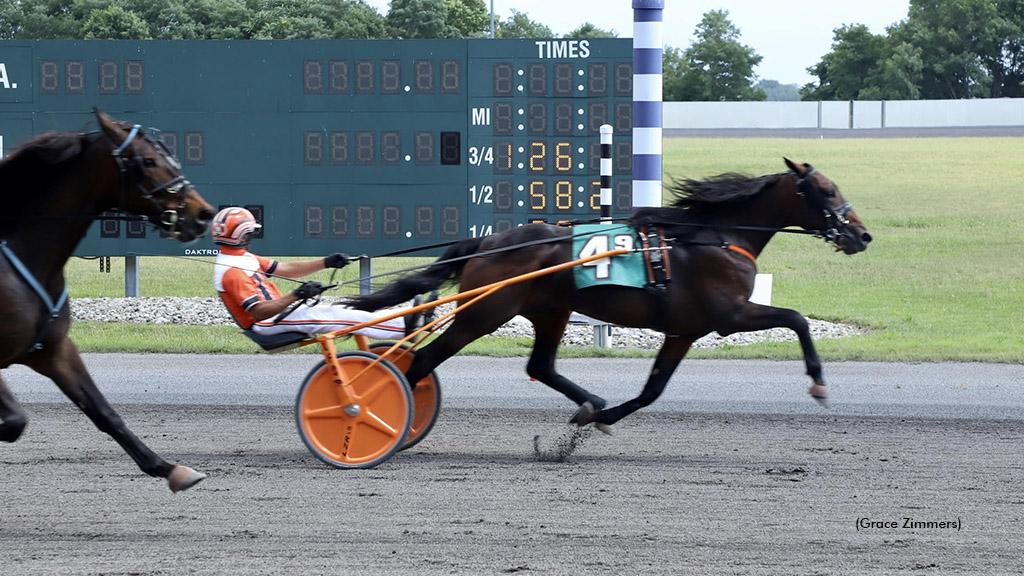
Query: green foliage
[
  {"x": 588, "y": 30},
  {"x": 114, "y": 22},
  {"x": 953, "y": 38},
  {"x": 419, "y": 19},
  {"x": 777, "y": 92},
  {"x": 944, "y": 49},
  {"x": 844, "y": 71},
  {"x": 716, "y": 66},
  {"x": 469, "y": 18},
  {"x": 519, "y": 25}
]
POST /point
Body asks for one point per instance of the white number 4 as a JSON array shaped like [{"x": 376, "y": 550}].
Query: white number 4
[{"x": 597, "y": 244}]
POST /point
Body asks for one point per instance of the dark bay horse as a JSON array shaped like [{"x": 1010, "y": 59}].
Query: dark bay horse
[
  {"x": 52, "y": 189},
  {"x": 715, "y": 229}
]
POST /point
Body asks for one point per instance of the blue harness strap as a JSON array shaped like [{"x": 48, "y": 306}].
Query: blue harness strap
[{"x": 53, "y": 308}]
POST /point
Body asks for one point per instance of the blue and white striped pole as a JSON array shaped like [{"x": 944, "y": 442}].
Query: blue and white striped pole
[
  {"x": 647, "y": 123},
  {"x": 606, "y": 173}
]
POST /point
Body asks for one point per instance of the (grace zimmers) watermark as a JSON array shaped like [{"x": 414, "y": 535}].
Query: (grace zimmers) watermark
[{"x": 907, "y": 523}]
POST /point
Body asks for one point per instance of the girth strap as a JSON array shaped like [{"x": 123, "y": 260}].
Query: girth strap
[{"x": 53, "y": 308}]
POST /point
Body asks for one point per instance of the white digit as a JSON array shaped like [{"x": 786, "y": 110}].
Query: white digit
[{"x": 597, "y": 244}]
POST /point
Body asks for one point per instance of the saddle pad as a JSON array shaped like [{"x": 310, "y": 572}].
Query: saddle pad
[{"x": 622, "y": 270}]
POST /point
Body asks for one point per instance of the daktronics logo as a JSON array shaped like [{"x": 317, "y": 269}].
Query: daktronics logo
[{"x": 200, "y": 252}]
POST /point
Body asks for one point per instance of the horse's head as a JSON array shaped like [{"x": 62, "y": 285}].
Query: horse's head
[
  {"x": 152, "y": 184},
  {"x": 823, "y": 207}
]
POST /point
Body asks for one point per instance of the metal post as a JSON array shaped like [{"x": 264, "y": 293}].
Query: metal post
[
  {"x": 131, "y": 276},
  {"x": 647, "y": 106},
  {"x": 602, "y": 331},
  {"x": 606, "y": 173},
  {"x": 365, "y": 272},
  {"x": 492, "y": 19}
]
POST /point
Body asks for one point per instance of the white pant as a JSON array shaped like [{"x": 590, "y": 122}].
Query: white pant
[{"x": 325, "y": 318}]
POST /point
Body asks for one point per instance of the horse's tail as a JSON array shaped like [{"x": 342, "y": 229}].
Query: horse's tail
[{"x": 447, "y": 268}]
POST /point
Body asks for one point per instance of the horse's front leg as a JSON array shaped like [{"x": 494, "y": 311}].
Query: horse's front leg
[
  {"x": 752, "y": 317},
  {"x": 671, "y": 353},
  {"x": 548, "y": 331},
  {"x": 12, "y": 417},
  {"x": 64, "y": 366}
]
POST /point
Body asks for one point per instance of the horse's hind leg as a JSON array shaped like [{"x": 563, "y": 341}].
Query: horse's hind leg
[
  {"x": 65, "y": 367},
  {"x": 12, "y": 417},
  {"x": 671, "y": 353},
  {"x": 548, "y": 334}
]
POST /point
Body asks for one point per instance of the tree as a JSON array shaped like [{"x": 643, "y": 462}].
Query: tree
[
  {"x": 844, "y": 71},
  {"x": 955, "y": 38},
  {"x": 1007, "y": 66},
  {"x": 777, "y": 92},
  {"x": 43, "y": 19},
  {"x": 469, "y": 18},
  {"x": 717, "y": 66},
  {"x": 588, "y": 30},
  {"x": 114, "y": 23},
  {"x": 419, "y": 19},
  {"x": 519, "y": 25},
  {"x": 673, "y": 66},
  {"x": 898, "y": 77}
]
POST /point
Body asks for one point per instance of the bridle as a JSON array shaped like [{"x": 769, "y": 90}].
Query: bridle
[
  {"x": 176, "y": 188},
  {"x": 835, "y": 216}
]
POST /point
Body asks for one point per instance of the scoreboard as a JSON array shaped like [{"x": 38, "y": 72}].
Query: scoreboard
[{"x": 346, "y": 145}]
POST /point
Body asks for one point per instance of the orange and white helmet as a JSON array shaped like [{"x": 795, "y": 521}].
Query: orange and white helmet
[{"x": 233, "y": 226}]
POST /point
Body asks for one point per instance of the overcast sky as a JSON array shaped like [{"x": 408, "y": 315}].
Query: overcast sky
[{"x": 791, "y": 35}]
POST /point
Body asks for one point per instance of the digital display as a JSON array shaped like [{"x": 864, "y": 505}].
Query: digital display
[
  {"x": 384, "y": 145},
  {"x": 390, "y": 221},
  {"x": 339, "y": 76},
  {"x": 424, "y": 76}
]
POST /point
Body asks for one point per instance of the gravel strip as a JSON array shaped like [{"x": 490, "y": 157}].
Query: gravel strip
[{"x": 211, "y": 312}]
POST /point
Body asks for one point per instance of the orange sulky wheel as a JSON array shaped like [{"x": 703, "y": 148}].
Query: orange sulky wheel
[
  {"x": 426, "y": 395},
  {"x": 364, "y": 433}
]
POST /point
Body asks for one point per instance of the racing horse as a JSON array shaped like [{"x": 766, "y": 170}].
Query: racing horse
[
  {"x": 52, "y": 188},
  {"x": 713, "y": 230}
]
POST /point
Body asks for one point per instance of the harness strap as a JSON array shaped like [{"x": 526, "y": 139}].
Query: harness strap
[
  {"x": 658, "y": 272},
  {"x": 53, "y": 308},
  {"x": 742, "y": 251}
]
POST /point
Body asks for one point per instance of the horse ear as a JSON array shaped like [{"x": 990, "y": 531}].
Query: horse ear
[
  {"x": 109, "y": 126},
  {"x": 793, "y": 166}
]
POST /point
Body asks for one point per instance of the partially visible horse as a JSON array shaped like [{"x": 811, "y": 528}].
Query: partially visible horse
[
  {"x": 715, "y": 229},
  {"x": 52, "y": 189}
]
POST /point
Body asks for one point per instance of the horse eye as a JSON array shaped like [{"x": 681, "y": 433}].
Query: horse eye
[{"x": 149, "y": 162}]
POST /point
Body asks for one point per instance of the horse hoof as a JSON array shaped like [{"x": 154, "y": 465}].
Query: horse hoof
[
  {"x": 606, "y": 428},
  {"x": 819, "y": 392},
  {"x": 182, "y": 478},
  {"x": 11, "y": 429},
  {"x": 583, "y": 416}
]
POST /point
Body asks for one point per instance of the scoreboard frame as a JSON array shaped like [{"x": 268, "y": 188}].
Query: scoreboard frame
[{"x": 364, "y": 146}]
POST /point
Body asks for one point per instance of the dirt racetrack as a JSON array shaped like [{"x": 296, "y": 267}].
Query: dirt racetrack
[{"x": 670, "y": 493}]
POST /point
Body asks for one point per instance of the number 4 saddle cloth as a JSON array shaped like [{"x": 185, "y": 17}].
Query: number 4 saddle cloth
[{"x": 638, "y": 269}]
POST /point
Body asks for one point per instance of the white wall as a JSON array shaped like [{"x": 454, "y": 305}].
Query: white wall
[{"x": 845, "y": 114}]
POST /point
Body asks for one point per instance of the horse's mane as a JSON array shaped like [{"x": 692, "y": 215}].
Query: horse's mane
[
  {"x": 696, "y": 200},
  {"x": 36, "y": 155}
]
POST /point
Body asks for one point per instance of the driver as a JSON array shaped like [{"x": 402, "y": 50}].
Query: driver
[{"x": 240, "y": 278}]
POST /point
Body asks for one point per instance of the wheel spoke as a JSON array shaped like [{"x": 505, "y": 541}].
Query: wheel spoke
[
  {"x": 373, "y": 421},
  {"x": 375, "y": 389},
  {"x": 336, "y": 411}
]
